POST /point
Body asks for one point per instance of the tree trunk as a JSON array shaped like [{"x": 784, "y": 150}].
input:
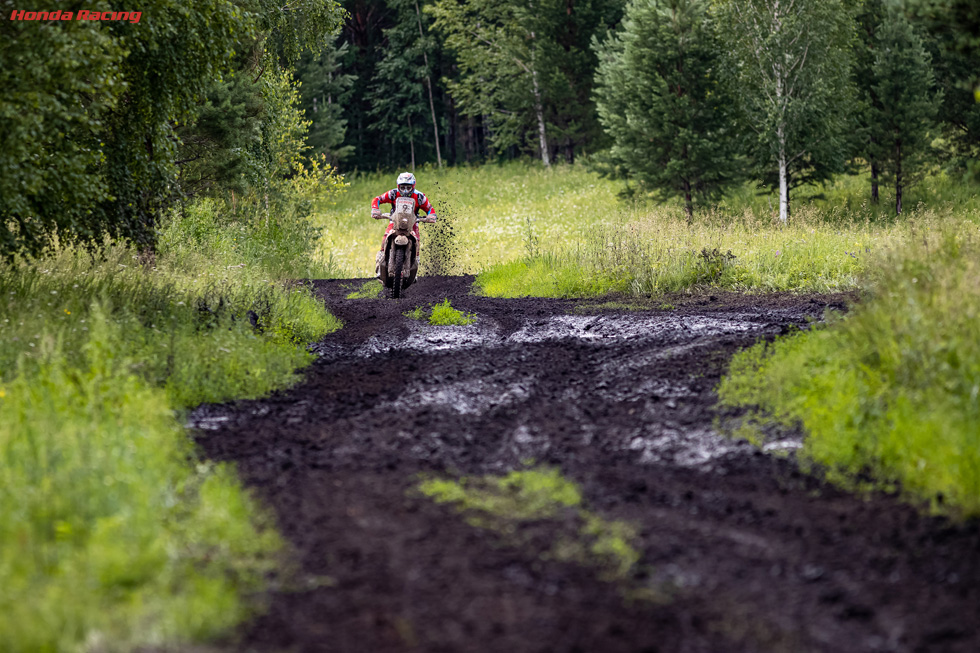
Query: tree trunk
[
  {"x": 539, "y": 113},
  {"x": 488, "y": 139},
  {"x": 783, "y": 177},
  {"x": 428, "y": 83},
  {"x": 898, "y": 176},
  {"x": 688, "y": 202},
  {"x": 411, "y": 141},
  {"x": 452, "y": 137},
  {"x": 874, "y": 181},
  {"x": 875, "y": 172}
]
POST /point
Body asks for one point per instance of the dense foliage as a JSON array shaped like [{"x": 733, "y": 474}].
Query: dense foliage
[
  {"x": 109, "y": 124},
  {"x": 91, "y": 110}
]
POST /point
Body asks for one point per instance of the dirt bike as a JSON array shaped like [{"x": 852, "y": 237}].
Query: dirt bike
[{"x": 398, "y": 262}]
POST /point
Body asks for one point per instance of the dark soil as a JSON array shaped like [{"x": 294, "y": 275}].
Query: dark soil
[{"x": 741, "y": 551}]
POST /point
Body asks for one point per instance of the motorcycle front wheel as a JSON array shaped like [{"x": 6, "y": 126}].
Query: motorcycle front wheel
[{"x": 396, "y": 282}]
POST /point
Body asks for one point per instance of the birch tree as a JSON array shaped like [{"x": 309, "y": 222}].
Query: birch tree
[
  {"x": 499, "y": 54},
  {"x": 791, "y": 61}
]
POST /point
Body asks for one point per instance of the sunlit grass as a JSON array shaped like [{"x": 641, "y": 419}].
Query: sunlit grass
[
  {"x": 658, "y": 251},
  {"x": 443, "y": 314},
  {"x": 890, "y": 392},
  {"x": 567, "y": 232}
]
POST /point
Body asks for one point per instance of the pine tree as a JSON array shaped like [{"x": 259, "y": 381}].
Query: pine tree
[
  {"x": 868, "y": 141},
  {"x": 326, "y": 90},
  {"x": 213, "y": 155},
  {"x": 399, "y": 94},
  {"x": 660, "y": 99},
  {"x": 904, "y": 85},
  {"x": 959, "y": 114},
  {"x": 957, "y": 25}
]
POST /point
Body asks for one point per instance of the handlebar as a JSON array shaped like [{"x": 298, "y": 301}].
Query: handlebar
[{"x": 387, "y": 216}]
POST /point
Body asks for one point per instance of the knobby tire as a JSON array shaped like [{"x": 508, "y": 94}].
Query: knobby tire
[{"x": 396, "y": 283}]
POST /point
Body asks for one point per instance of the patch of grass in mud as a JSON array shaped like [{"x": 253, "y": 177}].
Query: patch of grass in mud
[
  {"x": 505, "y": 504},
  {"x": 890, "y": 394},
  {"x": 368, "y": 290},
  {"x": 114, "y": 535},
  {"x": 442, "y": 314}
]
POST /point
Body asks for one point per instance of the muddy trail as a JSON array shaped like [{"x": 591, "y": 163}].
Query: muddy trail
[{"x": 738, "y": 549}]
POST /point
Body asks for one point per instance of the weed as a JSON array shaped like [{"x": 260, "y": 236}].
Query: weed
[
  {"x": 444, "y": 314},
  {"x": 115, "y": 536},
  {"x": 417, "y": 313}
]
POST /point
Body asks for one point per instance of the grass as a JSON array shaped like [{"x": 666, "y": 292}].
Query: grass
[
  {"x": 504, "y": 503},
  {"x": 114, "y": 536},
  {"x": 888, "y": 396},
  {"x": 368, "y": 290},
  {"x": 527, "y": 231},
  {"x": 442, "y": 314},
  {"x": 487, "y": 215},
  {"x": 659, "y": 252}
]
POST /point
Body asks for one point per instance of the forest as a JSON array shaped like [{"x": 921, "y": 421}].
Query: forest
[{"x": 119, "y": 122}]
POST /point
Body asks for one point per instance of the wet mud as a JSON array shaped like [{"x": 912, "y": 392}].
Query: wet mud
[{"x": 739, "y": 549}]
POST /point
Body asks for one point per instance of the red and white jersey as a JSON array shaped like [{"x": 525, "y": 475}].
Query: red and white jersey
[{"x": 421, "y": 201}]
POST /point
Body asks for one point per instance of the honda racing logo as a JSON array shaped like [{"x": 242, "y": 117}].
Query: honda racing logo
[{"x": 131, "y": 16}]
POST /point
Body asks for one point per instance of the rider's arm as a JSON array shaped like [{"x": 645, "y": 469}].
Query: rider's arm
[
  {"x": 426, "y": 206},
  {"x": 384, "y": 198}
]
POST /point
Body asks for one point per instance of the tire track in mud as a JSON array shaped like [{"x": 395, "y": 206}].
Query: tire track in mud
[{"x": 743, "y": 551}]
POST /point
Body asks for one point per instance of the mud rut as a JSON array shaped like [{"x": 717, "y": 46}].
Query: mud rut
[{"x": 743, "y": 551}]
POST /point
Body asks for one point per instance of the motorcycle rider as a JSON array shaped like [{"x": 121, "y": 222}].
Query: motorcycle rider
[{"x": 404, "y": 187}]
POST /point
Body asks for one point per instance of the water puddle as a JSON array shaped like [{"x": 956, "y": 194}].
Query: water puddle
[
  {"x": 695, "y": 447},
  {"x": 616, "y": 328}
]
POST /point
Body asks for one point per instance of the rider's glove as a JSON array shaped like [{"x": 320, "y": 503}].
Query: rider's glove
[
  {"x": 432, "y": 217},
  {"x": 375, "y": 213}
]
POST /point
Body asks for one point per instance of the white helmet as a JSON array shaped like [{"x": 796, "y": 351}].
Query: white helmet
[{"x": 406, "y": 184}]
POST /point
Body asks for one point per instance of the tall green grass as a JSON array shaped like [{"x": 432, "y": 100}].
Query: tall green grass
[
  {"x": 112, "y": 534},
  {"x": 890, "y": 393},
  {"x": 659, "y": 251},
  {"x": 210, "y": 233}
]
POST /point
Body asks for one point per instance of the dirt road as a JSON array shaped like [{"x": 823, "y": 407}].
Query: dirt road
[{"x": 739, "y": 550}]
